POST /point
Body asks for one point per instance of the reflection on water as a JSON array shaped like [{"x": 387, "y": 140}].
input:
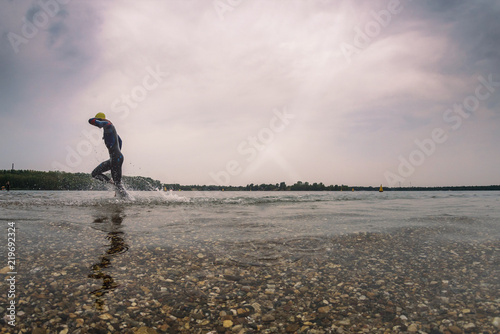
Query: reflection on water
[{"x": 112, "y": 224}]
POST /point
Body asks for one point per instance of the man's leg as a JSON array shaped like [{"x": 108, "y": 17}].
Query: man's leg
[
  {"x": 116, "y": 173},
  {"x": 97, "y": 173}
]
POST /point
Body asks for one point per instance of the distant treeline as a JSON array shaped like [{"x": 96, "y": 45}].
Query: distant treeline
[
  {"x": 38, "y": 180},
  {"x": 306, "y": 186},
  {"x": 448, "y": 188},
  {"x": 299, "y": 186}
]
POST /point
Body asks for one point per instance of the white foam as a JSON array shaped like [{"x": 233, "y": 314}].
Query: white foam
[{"x": 171, "y": 197}]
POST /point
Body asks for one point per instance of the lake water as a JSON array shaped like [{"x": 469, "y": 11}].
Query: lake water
[
  {"x": 252, "y": 262},
  {"x": 246, "y": 222}
]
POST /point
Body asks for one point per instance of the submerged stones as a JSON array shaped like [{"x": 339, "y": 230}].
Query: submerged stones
[
  {"x": 145, "y": 330},
  {"x": 362, "y": 283}
]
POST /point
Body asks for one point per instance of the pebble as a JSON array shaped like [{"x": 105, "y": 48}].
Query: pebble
[
  {"x": 455, "y": 330},
  {"x": 268, "y": 318},
  {"x": 324, "y": 309},
  {"x": 345, "y": 322},
  {"x": 359, "y": 283},
  {"x": 412, "y": 328},
  {"x": 37, "y": 330},
  {"x": 146, "y": 330},
  {"x": 106, "y": 316},
  {"x": 469, "y": 326},
  {"x": 227, "y": 323}
]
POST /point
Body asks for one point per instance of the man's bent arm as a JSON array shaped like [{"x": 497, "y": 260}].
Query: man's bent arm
[{"x": 97, "y": 122}]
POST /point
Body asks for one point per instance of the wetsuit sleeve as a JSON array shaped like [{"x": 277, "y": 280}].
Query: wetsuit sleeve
[{"x": 98, "y": 123}]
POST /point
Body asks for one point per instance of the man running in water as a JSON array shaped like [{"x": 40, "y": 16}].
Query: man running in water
[{"x": 114, "y": 144}]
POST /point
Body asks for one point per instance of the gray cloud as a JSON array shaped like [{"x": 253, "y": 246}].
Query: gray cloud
[{"x": 228, "y": 73}]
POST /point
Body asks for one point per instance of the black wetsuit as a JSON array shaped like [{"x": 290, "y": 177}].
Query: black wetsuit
[{"x": 114, "y": 144}]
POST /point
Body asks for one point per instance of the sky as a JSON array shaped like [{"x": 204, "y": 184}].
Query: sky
[{"x": 399, "y": 93}]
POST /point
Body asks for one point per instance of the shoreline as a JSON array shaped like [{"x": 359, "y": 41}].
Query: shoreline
[
  {"x": 409, "y": 280},
  {"x": 58, "y": 180}
]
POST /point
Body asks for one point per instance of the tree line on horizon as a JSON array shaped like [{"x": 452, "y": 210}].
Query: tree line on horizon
[
  {"x": 57, "y": 180},
  {"x": 298, "y": 186}
]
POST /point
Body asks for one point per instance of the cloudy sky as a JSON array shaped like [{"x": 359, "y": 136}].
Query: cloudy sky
[{"x": 262, "y": 91}]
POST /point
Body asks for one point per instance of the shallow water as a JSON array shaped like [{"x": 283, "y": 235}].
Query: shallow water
[
  {"x": 96, "y": 257},
  {"x": 248, "y": 225}
]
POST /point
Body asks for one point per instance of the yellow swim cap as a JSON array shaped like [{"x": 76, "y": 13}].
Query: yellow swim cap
[{"x": 100, "y": 115}]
